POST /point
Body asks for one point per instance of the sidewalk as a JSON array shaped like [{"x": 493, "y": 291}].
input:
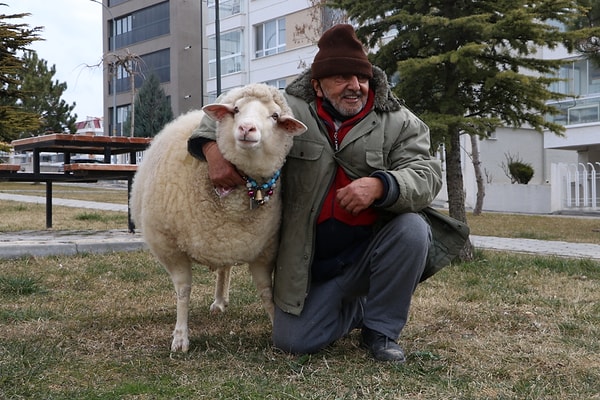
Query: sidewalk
[{"x": 48, "y": 242}]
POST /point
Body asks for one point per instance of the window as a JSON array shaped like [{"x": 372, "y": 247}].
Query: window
[
  {"x": 583, "y": 114},
  {"x": 227, "y": 8},
  {"x": 580, "y": 79},
  {"x": 270, "y": 37},
  {"x": 231, "y": 54},
  {"x": 122, "y": 114},
  {"x": 278, "y": 83},
  {"x": 158, "y": 63},
  {"x": 124, "y": 24},
  {"x": 141, "y": 25}
]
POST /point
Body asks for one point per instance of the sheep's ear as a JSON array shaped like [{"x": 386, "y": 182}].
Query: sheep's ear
[
  {"x": 291, "y": 126},
  {"x": 218, "y": 111}
]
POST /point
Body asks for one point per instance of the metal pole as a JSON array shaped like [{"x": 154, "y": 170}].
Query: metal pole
[
  {"x": 218, "y": 46},
  {"x": 114, "y": 69}
]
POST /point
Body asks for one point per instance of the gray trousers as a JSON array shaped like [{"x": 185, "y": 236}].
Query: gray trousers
[{"x": 374, "y": 292}]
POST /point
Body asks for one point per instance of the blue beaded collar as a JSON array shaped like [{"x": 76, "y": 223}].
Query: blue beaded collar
[{"x": 260, "y": 194}]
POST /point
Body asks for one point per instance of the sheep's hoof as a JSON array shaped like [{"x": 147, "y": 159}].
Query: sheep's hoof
[
  {"x": 218, "y": 307},
  {"x": 180, "y": 342}
]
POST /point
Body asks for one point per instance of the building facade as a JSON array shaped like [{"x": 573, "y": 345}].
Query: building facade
[
  {"x": 268, "y": 41},
  {"x": 142, "y": 37}
]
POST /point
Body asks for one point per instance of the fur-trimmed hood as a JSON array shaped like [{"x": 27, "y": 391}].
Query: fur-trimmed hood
[{"x": 385, "y": 101}]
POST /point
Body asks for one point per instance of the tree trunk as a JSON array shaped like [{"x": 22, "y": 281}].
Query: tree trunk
[
  {"x": 478, "y": 175},
  {"x": 456, "y": 194},
  {"x": 132, "y": 132}
]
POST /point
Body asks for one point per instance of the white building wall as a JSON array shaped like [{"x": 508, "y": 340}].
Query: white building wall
[
  {"x": 500, "y": 195},
  {"x": 285, "y": 65}
]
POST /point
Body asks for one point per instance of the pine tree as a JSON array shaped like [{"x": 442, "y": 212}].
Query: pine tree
[
  {"x": 590, "y": 46},
  {"x": 468, "y": 67},
  {"x": 42, "y": 95},
  {"x": 14, "y": 38},
  {"x": 152, "y": 109}
]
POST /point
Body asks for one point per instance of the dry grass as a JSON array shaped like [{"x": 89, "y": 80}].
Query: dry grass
[
  {"x": 16, "y": 216},
  {"x": 81, "y": 191},
  {"x": 543, "y": 227},
  {"x": 98, "y": 327}
]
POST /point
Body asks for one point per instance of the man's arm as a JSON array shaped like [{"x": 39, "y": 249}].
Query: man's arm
[
  {"x": 221, "y": 172},
  {"x": 202, "y": 145}
]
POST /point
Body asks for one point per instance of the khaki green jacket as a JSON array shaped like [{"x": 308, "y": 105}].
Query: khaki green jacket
[{"x": 390, "y": 138}]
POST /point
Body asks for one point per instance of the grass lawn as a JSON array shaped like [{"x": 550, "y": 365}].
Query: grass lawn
[
  {"x": 17, "y": 216},
  {"x": 98, "y": 327}
]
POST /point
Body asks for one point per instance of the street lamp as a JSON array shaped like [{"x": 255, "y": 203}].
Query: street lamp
[{"x": 114, "y": 71}]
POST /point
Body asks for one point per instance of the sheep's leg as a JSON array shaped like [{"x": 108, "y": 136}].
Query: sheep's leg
[
  {"x": 263, "y": 281},
  {"x": 179, "y": 267},
  {"x": 221, "y": 290},
  {"x": 182, "y": 281}
]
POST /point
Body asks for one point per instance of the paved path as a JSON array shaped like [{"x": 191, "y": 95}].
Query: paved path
[
  {"x": 56, "y": 201},
  {"x": 51, "y": 242}
]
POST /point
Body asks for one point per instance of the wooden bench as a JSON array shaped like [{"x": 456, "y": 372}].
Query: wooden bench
[
  {"x": 11, "y": 168},
  {"x": 99, "y": 167}
]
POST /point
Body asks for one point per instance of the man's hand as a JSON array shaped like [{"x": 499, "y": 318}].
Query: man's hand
[
  {"x": 221, "y": 172},
  {"x": 360, "y": 194}
]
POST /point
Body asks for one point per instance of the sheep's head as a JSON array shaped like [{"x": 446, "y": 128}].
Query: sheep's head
[{"x": 254, "y": 122}]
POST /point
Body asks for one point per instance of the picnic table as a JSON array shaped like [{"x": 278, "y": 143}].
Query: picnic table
[{"x": 68, "y": 145}]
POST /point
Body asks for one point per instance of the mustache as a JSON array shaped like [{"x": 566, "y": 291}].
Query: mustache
[{"x": 356, "y": 93}]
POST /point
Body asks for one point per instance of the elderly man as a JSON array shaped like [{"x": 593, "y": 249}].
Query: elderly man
[{"x": 353, "y": 245}]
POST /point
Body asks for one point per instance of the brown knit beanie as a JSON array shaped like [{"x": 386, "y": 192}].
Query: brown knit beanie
[{"x": 340, "y": 53}]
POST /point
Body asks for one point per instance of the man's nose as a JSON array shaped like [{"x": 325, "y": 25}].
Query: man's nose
[{"x": 353, "y": 82}]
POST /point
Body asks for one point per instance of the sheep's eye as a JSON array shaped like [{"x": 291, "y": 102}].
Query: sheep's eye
[
  {"x": 275, "y": 116},
  {"x": 236, "y": 110}
]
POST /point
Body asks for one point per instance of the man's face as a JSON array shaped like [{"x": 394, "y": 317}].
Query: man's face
[{"x": 347, "y": 93}]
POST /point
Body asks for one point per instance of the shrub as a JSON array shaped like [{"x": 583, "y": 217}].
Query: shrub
[
  {"x": 520, "y": 172},
  {"x": 517, "y": 170}
]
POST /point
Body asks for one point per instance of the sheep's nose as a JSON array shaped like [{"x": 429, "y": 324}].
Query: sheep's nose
[{"x": 246, "y": 128}]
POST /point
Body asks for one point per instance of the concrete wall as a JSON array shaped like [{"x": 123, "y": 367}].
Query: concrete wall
[{"x": 506, "y": 197}]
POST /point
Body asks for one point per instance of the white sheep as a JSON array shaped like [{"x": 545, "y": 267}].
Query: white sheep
[{"x": 182, "y": 218}]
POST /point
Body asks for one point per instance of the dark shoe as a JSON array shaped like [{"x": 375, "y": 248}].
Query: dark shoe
[{"x": 381, "y": 347}]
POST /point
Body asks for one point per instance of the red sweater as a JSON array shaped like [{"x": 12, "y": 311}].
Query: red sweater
[{"x": 331, "y": 208}]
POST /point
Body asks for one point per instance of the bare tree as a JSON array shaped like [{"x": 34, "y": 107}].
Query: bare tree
[
  {"x": 130, "y": 63},
  {"x": 478, "y": 174},
  {"x": 320, "y": 18}
]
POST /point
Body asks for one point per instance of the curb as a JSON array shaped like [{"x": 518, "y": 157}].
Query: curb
[{"x": 37, "y": 249}]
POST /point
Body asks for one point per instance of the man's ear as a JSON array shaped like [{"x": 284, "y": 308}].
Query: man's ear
[{"x": 317, "y": 87}]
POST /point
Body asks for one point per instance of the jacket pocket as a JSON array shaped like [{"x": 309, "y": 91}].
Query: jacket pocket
[
  {"x": 302, "y": 164},
  {"x": 374, "y": 159}
]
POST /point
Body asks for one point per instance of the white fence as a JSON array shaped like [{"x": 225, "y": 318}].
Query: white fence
[{"x": 575, "y": 187}]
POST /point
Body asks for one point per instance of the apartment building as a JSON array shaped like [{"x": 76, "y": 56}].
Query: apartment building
[
  {"x": 268, "y": 41},
  {"x": 142, "y": 37}
]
